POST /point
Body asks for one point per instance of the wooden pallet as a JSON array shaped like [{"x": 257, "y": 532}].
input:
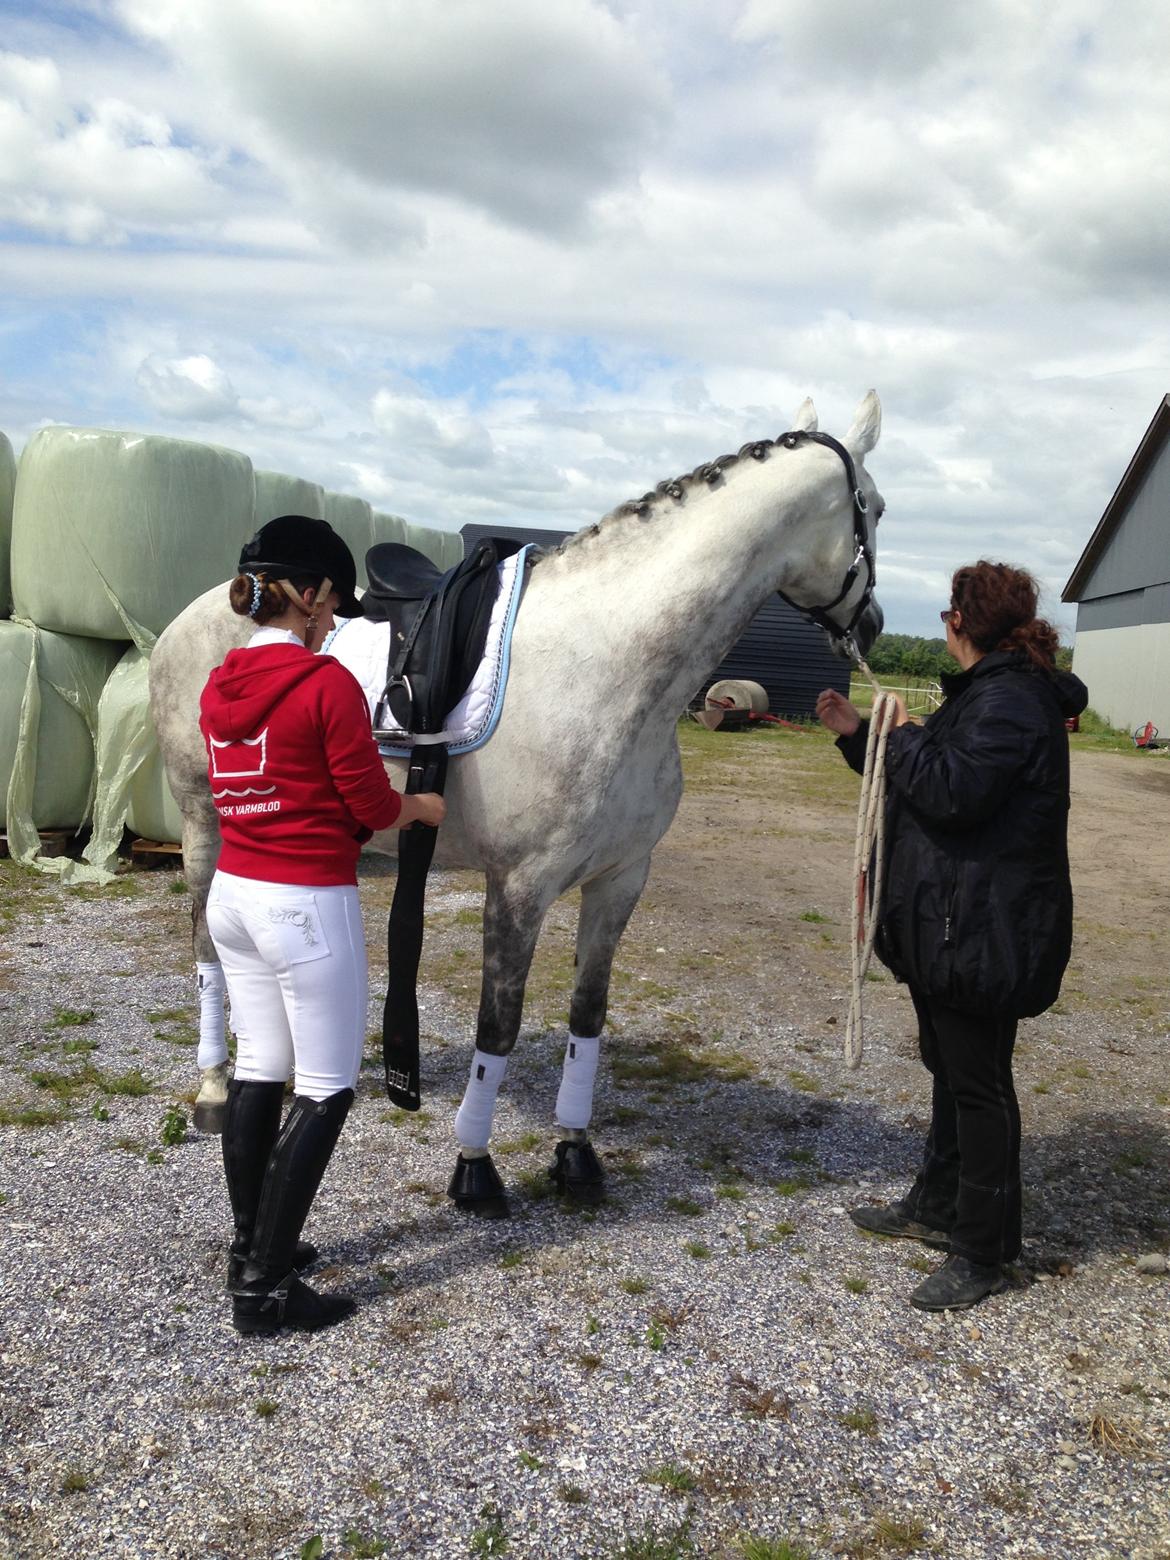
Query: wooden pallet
[
  {"x": 53, "y": 842},
  {"x": 155, "y": 853}
]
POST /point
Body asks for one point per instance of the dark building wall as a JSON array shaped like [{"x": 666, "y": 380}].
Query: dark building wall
[
  {"x": 1137, "y": 555},
  {"x": 786, "y": 655}
]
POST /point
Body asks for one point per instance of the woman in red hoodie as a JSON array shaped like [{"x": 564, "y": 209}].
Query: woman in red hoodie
[{"x": 299, "y": 787}]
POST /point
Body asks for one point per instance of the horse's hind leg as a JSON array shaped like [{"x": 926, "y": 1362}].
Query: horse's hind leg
[
  {"x": 200, "y": 852},
  {"x": 607, "y": 903},
  {"x": 513, "y": 913}
]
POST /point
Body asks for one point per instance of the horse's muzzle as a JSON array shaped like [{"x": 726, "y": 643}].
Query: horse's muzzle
[{"x": 868, "y": 626}]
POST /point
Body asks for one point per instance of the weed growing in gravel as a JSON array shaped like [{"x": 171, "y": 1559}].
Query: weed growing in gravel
[
  {"x": 752, "y": 1548},
  {"x": 670, "y": 1476},
  {"x": 589, "y": 1361},
  {"x": 65, "y": 1085},
  {"x": 71, "y": 1018},
  {"x": 592, "y": 1327},
  {"x": 684, "y": 1205},
  {"x": 174, "y": 1127},
  {"x": 863, "y": 1420},
  {"x": 729, "y": 1192},
  {"x": 634, "y": 1285},
  {"x": 530, "y": 1461},
  {"x": 856, "y": 1286},
  {"x": 73, "y": 1481},
  {"x": 675, "y": 1544},
  {"x": 490, "y": 1538},
  {"x": 364, "y": 1546},
  {"x": 759, "y": 1402},
  {"x": 791, "y": 1185},
  {"x": 32, "y": 1115},
  {"x": 437, "y": 1395},
  {"x": 696, "y": 1249},
  {"x": 266, "y": 1407},
  {"x": 803, "y": 1081},
  {"x": 313, "y": 1548},
  {"x": 524, "y": 1144},
  {"x": 904, "y": 1535},
  {"x": 80, "y": 1045},
  {"x": 655, "y": 1336},
  {"x": 922, "y": 1264},
  {"x": 573, "y": 1494},
  {"x": 535, "y": 1184},
  {"x": 782, "y": 1230},
  {"x": 131, "y": 1083},
  {"x": 1012, "y": 1498},
  {"x": 512, "y": 1259},
  {"x": 1119, "y": 1436}
]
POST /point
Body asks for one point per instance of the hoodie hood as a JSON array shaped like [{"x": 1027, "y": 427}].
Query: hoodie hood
[
  {"x": 241, "y": 694},
  {"x": 1071, "y": 693}
]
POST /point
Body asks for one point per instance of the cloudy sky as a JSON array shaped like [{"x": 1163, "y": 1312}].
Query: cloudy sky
[{"x": 516, "y": 263}]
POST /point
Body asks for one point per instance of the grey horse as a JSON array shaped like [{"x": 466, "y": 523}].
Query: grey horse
[{"x": 582, "y": 776}]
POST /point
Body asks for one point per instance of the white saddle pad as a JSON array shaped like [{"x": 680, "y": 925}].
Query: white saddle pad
[{"x": 363, "y": 647}]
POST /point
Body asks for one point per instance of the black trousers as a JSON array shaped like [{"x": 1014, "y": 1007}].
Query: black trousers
[{"x": 969, "y": 1184}]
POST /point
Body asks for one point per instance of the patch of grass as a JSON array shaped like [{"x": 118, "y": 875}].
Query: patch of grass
[
  {"x": 512, "y": 1259},
  {"x": 530, "y": 1461},
  {"x": 671, "y": 1476},
  {"x": 752, "y": 1548},
  {"x": 904, "y": 1535},
  {"x": 814, "y": 916},
  {"x": 130, "y": 1083},
  {"x": 671, "y": 1062},
  {"x": 673, "y": 1544},
  {"x": 684, "y": 1205},
  {"x": 65, "y": 1085},
  {"x": 32, "y": 1115},
  {"x": 74, "y": 1480},
  {"x": 856, "y": 1286},
  {"x": 864, "y": 1420},
  {"x": 524, "y": 1144},
  {"x": 782, "y": 1230},
  {"x": 535, "y": 1184},
  {"x": 802, "y": 1156},
  {"x": 792, "y": 1184},
  {"x": 696, "y": 1249},
  {"x": 573, "y": 1494},
  {"x": 655, "y": 1336},
  {"x": 759, "y": 1402},
  {"x": 589, "y": 1361},
  {"x": 803, "y": 1081},
  {"x": 266, "y": 1407},
  {"x": 634, "y": 1285},
  {"x": 730, "y": 1192},
  {"x": 406, "y": 1118},
  {"x": 363, "y": 1546},
  {"x": 71, "y": 1018},
  {"x": 80, "y": 1045}
]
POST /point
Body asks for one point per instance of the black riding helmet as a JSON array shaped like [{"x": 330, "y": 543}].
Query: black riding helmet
[{"x": 295, "y": 544}]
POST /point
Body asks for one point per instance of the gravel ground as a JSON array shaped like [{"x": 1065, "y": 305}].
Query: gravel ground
[{"x": 713, "y": 1359}]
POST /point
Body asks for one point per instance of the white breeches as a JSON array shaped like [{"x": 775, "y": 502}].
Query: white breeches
[{"x": 294, "y": 959}]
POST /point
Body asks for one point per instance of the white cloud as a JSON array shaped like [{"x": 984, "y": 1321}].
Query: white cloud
[{"x": 190, "y": 388}]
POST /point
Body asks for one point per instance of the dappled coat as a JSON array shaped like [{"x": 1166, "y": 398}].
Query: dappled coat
[{"x": 976, "y": 905}]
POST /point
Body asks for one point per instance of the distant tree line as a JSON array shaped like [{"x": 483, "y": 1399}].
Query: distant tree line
[{"x": 908, "y": 655}]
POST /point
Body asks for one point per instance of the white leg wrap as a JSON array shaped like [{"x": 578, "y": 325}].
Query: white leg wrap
[
  {"x": 473, "y": 1119},
  {"x": 575, "y": 1096},
  {"x": 212, "y": 1029}
]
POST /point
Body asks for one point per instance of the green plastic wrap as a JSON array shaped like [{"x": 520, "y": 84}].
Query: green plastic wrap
[
  {"x": 277, "y": 494},
  {"x": 388, "y": 528},
  {"x": 114, "y": 533},
  {"x": 50, "y": 690},
  {"x": 151, "y": 811},
  {"x": 125, "y": 741},
  {"x": 7, "y": 490},
  {"x": 353, "y": 520},
  {"x": 443, "y": 548}
]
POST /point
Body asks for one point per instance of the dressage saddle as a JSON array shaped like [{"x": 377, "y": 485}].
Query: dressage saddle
[{"x": 438, "y": 626}]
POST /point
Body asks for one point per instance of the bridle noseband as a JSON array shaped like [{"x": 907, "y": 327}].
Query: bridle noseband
[{"x": 862, "y": 554}]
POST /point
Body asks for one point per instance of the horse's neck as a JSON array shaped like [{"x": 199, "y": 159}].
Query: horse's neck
[{"x": 657, "y": 602}]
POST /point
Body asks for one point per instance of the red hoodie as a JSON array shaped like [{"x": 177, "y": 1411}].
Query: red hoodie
[{"x": 295, "y": 774}]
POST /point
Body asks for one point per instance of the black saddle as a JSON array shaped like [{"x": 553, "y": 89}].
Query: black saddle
[{"x": 439, "y": 622}]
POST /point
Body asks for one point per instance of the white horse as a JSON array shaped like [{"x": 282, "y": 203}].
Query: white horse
[{"x": 582, "y": 777}]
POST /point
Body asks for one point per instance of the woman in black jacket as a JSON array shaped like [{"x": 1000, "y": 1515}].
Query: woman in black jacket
[{"x": 976, "y": 911}]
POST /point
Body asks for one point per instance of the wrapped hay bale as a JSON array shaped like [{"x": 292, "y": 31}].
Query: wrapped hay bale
[
  {"x": 388, "y": 528},
  {"x": 125, "y": 743},
  {"x": 277, "y": 494},
  {"x": 353, "y": 520},
  {"x": 7, "y": 489},
  {"x": 114, "y": 533},
  {"x": 50, "y": 688},
  {"x": 443, "y": 548},
  {"x": 151, "y": 811}
]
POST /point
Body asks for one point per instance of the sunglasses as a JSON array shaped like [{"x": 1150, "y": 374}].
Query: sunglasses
[{"x": 947, "y": 614}]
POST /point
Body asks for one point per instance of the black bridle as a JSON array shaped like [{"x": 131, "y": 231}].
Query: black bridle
[{"x": 863, "y": 553}]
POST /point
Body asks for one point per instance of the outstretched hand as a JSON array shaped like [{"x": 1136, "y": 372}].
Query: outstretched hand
[{"x": 835, "y": 711}]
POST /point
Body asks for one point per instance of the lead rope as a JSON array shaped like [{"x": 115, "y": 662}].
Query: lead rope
[{"x": 869, "y": 844}]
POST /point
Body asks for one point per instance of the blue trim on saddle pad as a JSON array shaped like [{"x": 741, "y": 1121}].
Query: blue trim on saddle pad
[{"x": 499, "y": 672}]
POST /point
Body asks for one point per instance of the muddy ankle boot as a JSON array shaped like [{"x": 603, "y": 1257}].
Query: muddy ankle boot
[{"x": 269, "y": 1294}]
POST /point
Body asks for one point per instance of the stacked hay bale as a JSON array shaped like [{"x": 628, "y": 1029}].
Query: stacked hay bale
[{"x": 104, "y": 538}]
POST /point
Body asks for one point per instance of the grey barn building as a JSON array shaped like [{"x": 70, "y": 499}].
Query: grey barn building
[
  {"x": 1121, "y": 585},
  {"x": 789, "y": 657}
]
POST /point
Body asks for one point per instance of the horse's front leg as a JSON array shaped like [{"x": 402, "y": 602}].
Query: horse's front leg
[
  {"x": 513, "y": 913},
  {"x": 607, "y": 902}
]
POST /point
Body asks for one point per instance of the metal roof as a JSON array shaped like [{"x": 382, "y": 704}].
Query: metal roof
[{"x": 1144, "y": 456}]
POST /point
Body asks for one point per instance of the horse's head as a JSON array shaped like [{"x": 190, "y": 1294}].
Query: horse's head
[{"x": 837, "y": 591}]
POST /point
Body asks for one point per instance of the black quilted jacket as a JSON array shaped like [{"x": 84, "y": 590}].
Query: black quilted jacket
[{"x": 977, "y": 905}]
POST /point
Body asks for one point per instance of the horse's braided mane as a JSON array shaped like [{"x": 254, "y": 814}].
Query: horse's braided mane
[{"x": 710, "y": 473}]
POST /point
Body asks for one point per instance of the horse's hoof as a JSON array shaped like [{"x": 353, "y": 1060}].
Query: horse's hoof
[
  {"x": 476, "y": 1188},
  {"x": 577, "y": 1173},
  {"x": 211, "y": 1101}
]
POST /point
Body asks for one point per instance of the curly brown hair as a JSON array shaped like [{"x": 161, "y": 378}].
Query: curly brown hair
[
  {"x": 998, "y": 607},
  {"x": 273, "y": 601}
]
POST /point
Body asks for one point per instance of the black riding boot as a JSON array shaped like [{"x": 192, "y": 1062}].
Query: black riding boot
[
  {"x": 251, "y": 1125},
  {"x": 270, "y": 1295}
]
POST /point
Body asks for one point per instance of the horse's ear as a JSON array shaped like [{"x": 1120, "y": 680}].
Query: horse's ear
[
  {"x": 867, "y": 425},
  {"x": 806, "y": 416}
]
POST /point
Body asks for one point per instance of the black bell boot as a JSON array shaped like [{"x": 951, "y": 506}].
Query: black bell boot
[
  {"x": 577, "y": 1173},
  {"x": 251, "y": 1125},
  {"x": 958, "y": 1285},
  {"x": 475, "y": 1187},
  {"x": 269, "y": 1295}
]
